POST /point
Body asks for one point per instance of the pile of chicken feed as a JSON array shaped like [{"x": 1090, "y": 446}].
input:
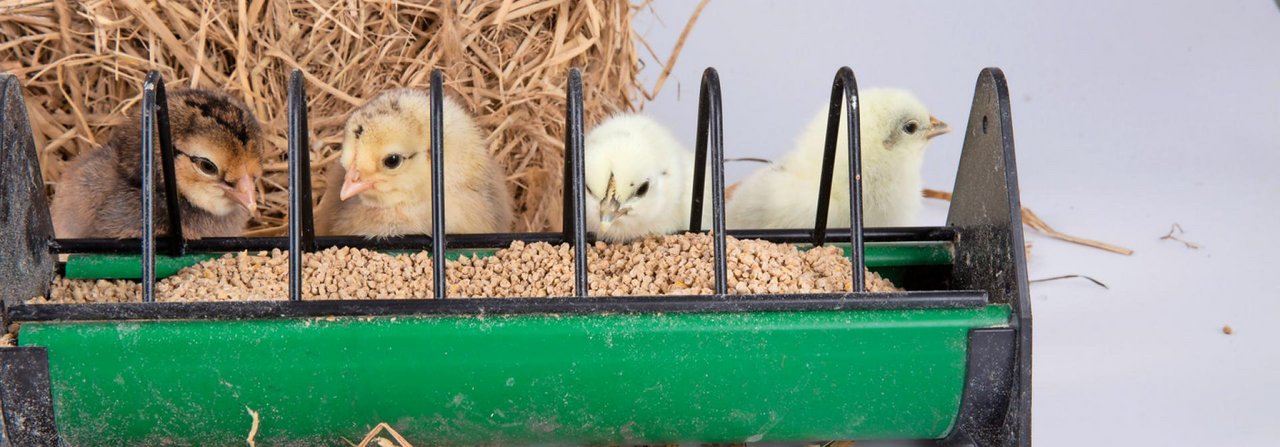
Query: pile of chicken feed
[{"x": 669, "y": 265}]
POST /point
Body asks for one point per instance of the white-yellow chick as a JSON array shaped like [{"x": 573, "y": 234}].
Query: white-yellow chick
[
  {"x": 381, "y": 184},
  {"x": 639, "y": 180},
  {"x": 895, "y": 127}
]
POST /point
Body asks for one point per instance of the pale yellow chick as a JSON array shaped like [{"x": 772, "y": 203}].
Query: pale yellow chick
[
  {"x": 896, "y": 128},
  {"x": 381, "y": 184}
]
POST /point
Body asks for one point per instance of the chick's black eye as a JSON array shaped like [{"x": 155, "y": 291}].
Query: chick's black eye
[
  {"x": 642, "y": 190},
  {"x": 393, "y": 161},
  {"x": 911, "y": 127},
  {"x": 206, "y": 166}
]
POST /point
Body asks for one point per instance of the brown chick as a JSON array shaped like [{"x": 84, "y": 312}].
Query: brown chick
[
  {"x": 381, "y": 184},
  {"x": 218, "y": 148}
]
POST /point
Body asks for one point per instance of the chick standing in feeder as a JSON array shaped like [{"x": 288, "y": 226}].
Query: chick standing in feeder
[
  {"x": 218, "y": 148},
  {"x": 895, "y": 128},
  {"x": 381, "y": 185},
  {"x": 639, "y": 180}
]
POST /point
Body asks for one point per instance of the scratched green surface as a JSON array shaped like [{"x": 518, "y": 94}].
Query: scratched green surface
[{"x": 529, "y": 379}]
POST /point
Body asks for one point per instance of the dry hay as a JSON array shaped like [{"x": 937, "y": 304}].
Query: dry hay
[
  {"x": 372, "y": 437},
  {"x": 1030, "y": 219},
  {"x": 82, "y": 65}
]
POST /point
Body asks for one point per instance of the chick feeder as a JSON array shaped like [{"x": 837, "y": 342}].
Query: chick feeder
[{"x": 946, "y": 362}]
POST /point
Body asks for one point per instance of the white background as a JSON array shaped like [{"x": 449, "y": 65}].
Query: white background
[{"x": 1128, "y": 116}]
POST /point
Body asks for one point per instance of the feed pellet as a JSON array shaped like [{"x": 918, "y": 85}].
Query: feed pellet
[{"x": 668, "y": 265}]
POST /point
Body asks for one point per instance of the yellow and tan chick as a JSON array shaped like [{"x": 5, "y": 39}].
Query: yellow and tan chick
[
  {"x": 218, "y": 159},
  {"x": 380, "y": 186}
]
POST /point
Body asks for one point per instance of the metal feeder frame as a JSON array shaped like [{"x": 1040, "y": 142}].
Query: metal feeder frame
[{"x": 984, "y": 226}]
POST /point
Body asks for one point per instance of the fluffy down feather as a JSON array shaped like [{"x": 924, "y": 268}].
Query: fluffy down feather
[
  {"x": 381, "y": 184},
  {"x": 895, "y": 127},
  {"x": 639, "y": 180}
]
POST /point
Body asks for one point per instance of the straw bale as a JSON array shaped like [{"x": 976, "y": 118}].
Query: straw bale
[{"x": 82, "y": 66}]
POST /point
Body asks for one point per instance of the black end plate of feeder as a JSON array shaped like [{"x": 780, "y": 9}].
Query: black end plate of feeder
[
  {"x": 26, "y": 264},
  {"x": 26, "y": 400},
  {"x": 990, "y": 376},
  {"x": 987, "y": 215}
]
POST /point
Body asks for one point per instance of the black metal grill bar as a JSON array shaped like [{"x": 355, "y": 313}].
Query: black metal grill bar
[
  {"x": 168, "y": 157},
  {"x": 711, "y": 133},
  {"x": 471, "y": 241},
  {"x": 155, "y": 121},
  {"x": 500, "y": 306},
  {"x": 437, "y": 184},
  {"x": 574, "y": 225},
  {"x": 148, "y": 190},
  {"x": 302, "y": 231},
  {"x": 844, "y": 87},
  {"x": 881, "y": 234}
]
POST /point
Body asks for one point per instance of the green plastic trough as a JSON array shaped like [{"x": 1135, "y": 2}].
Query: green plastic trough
[
  {"x": 516, "y": 379},
  {"x": 513, "y": 379}
]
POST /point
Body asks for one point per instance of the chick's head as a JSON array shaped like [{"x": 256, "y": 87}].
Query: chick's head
[
  {"x": 218, "y": 148},
  {"x": 632, "y": 172},
  {"x": 386, "y": 148},
  {"x": 896, "y": 124}
]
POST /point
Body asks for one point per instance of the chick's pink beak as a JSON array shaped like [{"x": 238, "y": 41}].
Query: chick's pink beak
[
  {"x": 244, "y": 194},
  {"x": 352, "y": 185}
]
